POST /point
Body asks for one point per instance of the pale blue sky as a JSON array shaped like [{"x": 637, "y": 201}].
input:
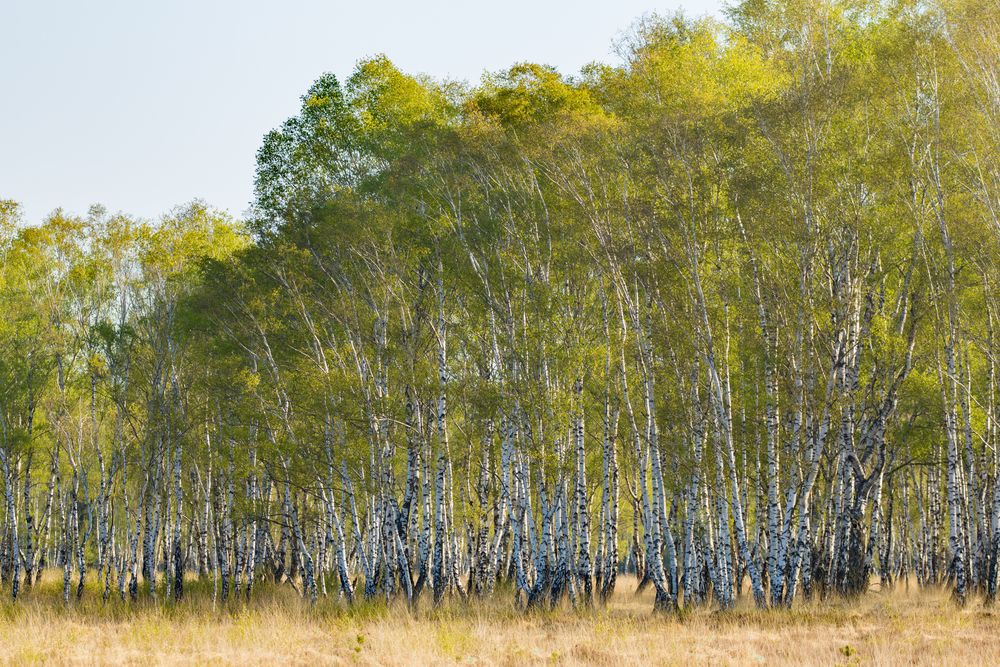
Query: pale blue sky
[{"x": 142, "y": 105}]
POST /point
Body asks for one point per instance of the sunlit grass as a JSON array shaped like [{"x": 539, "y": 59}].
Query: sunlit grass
[{"x": 903, "y": 626}]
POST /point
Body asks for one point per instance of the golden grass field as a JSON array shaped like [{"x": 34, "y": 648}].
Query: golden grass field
[{"x": 901, "y": 627}]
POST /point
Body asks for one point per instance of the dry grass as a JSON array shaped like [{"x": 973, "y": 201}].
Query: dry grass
[{"x": 903, "y": 627}]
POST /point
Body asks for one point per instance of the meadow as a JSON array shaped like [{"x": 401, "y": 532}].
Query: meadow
[{"x": 905, "y": 626}]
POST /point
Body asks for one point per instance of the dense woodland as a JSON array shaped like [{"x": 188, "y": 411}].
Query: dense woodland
[{"x": 722, "y": 314}]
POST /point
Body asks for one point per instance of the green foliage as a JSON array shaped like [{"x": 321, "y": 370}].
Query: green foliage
[{"x": 776, "y": 199}]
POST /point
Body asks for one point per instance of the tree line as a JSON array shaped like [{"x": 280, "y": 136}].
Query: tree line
[{"x": 720, "y": 315}]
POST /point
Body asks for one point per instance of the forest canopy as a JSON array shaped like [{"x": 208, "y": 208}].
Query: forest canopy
[{"x": 719, "y": 314}]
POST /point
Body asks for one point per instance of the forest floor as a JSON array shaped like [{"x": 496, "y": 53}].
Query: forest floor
[{"x": 901, "y": 627}]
